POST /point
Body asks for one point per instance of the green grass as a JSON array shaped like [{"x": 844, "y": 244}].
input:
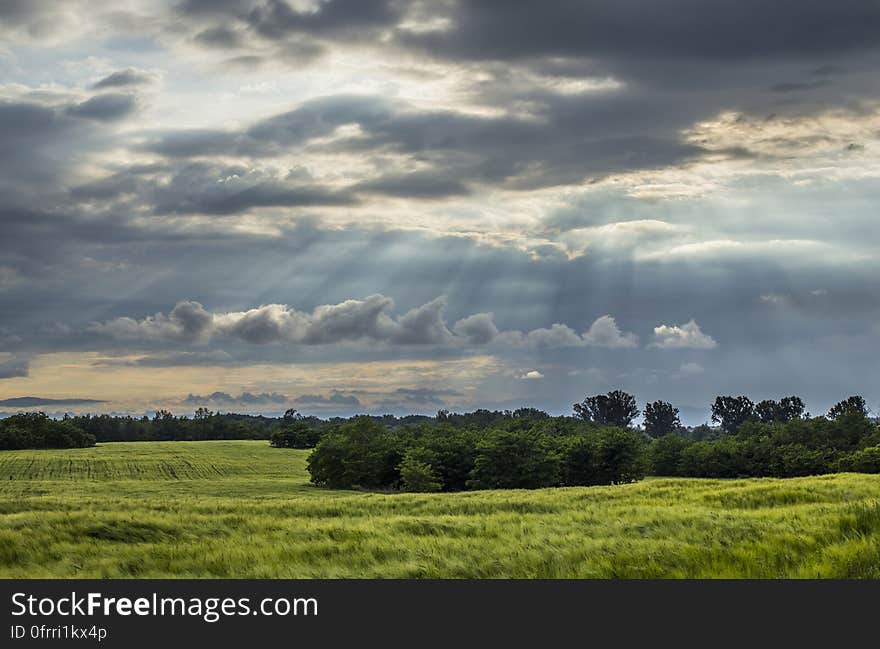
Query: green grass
[{"x": 242, "y": 509}]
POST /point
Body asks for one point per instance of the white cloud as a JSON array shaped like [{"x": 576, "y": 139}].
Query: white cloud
[
  {"x": 369, "y": 319},
  {"x": 477, "y": 329},
  {"x": 558, "y": 335},
  {"x": 531, "y": 375},
  {"x": 686, "y": 336},
  {"x": 604, "y": 332},
  {"x": 187, "y": 322}
]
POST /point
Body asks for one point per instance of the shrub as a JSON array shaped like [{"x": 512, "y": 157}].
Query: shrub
[
  {"x": 417, "y": 472},
  {"x": 665, "y": 454},
  {"x": 578, "y": 454},
  {"x": 358, "y": 454},
  {"x": 296, "y": 435},
  {"x": 619, "y": 456},
  {"x": 865, "y": 461},
  {"x": 508, "y": 460}
]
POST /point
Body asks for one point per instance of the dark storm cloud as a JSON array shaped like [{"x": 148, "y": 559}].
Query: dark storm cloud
[
  {"x": 205, "y": 188},
  {"x": 798, "y": 86},
  {"x": 312, "y": 119},
  {"x": 117, "y": 248},
  {"x": 576, "y": 138},
  {"x": 105, "y": 108},
  {"x": 33, "y": 141},
  {"x": 297, "y": 36},
  {"x": 827, "y": 322},
  {"x": 17, "y": 10},
  {"x": 193, "y": 143},
  {"x": 124, "y": 78},
  {"x": 220, "y": 37},
  {"x": 36, "y": 18},
  {"x": 721, "y": 29},
  {"x": 510, "y": 30},
  {"x": 414, "y": 185},
  {"x": 312, "y": 266},
  {"x": 209, "y": 189}
]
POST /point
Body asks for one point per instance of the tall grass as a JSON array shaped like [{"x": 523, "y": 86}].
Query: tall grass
[{"x": 242, "y": 509}]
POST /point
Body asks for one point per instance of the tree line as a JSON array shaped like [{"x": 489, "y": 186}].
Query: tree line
[
  {"x": 527, "y": 447},
  {"x": 37, "y": 430},
  {"x": 518, "y": 454}
]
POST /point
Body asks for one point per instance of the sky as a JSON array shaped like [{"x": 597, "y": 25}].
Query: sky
[{"x": 399, "y": 206}]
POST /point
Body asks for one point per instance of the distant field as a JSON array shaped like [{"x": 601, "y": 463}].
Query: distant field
[{"x": 243, "y": 509}]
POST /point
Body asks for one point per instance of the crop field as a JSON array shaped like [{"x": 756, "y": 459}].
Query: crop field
[{"x": 243, "y": 509}]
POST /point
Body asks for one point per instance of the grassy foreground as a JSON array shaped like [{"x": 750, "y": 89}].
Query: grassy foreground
[{"x": 242, "y": 509}]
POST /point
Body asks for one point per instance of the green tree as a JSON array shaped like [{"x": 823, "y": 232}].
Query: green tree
[
  {"x": 665, "y": 454},
  {"x": 732, "y": 412},
  {"x": 417, "y": 472},
  {"x": 661, "y": 418},
  {"x": 578, "y": 454},
  {"x": 617, "y": 408},
  {"x": 360, "y": 453},
  {"x": 514, "y": 460},
  {"x": 619, "y": 455},
  {"x": 854, "y": 405},
  {"x": 296, "y": 434},
  {"x": 866, "y": 460},
  {"x": 769, "y": 411}
]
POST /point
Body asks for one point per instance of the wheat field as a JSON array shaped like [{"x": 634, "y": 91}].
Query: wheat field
[{"x": 241, "y": 509}]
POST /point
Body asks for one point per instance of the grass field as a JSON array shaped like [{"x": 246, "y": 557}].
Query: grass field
[{"x": 242, "y": 509}]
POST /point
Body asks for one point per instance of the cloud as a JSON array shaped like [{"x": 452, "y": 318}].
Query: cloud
[
  {"x": 13, "y": 367},
  {"x": 424, "y": 325},
  {"x": 686, "y": 336},
  {"x": 643, "y": 31},
  {"x": 477, "y": 329},
  {"x": 125, "y": 78},
  {"x": 604, "y": 332},
  {"x": 531, "y": 375},
  {"x": 187, "y": 322},
  {"x": 348, "y": 321},
  {"x": 104, "y": 108},
  {"x": 245, "y": 398},
  {"x": 175, "y": 359},
  {"x": 575, "y": 139},
  {"x": 558, "y": 335},
  {"x": 369, "y": 319},
  {"x": 32, "y": 402},
  {"x": 202, "y": 188},
  {"x": 415, "y": 185},
  {"x": 539, "y": 169}
]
